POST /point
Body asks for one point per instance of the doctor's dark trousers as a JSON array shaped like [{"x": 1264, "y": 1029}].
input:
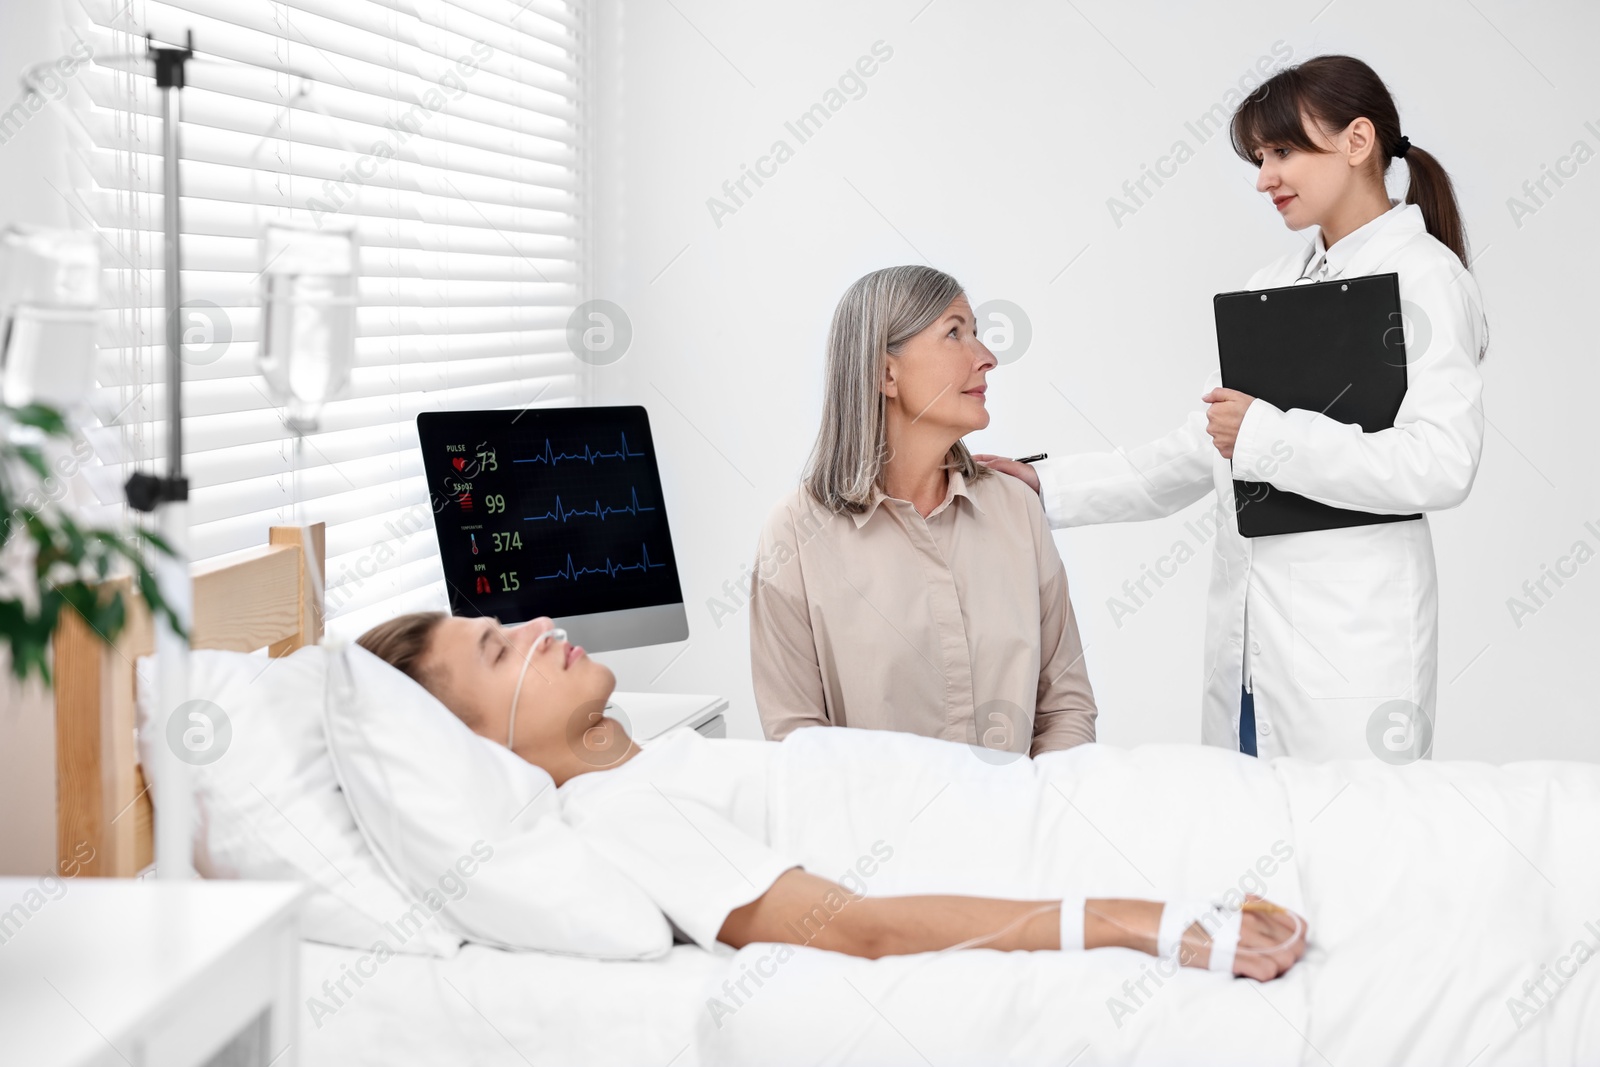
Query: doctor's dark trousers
[{"x": 1247, "y": 721}]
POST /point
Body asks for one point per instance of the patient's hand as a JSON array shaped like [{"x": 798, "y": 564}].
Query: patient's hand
[
  {"x": 1276, "y": 940},
  {"x": 1022, "y": 471}
]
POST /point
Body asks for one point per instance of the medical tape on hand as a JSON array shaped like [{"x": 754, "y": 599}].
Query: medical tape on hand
[
  {"x": 1072, "y": 923},
  {"x": 1222, "y": 924}
]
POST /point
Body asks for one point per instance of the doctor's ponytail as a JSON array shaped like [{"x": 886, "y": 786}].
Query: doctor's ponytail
[
  {"x": 1337, "y": 90},
  {"x": 1430, "y": 189}
]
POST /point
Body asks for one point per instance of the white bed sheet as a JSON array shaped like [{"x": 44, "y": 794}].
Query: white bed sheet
[
  {"x": 1434, "y": 892},
  {"x": 491, "y": 1008}
]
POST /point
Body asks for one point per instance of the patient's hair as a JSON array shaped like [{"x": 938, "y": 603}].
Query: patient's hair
[
  {"x": 876, "y": 316},
  {"x": 1335, "y": 91},
  {"x": 403, "y": 641}
]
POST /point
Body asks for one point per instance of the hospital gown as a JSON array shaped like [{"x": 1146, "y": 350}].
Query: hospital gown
[{"x": 707, "y": 825}]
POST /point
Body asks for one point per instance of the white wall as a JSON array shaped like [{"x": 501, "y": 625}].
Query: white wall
[{"x": 989, "y": 145}]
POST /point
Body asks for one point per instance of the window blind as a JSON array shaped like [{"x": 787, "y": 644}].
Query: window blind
[{"x": 451, "y": 135}]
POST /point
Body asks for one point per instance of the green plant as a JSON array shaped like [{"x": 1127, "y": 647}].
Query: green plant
[{"x": 70, "y": 561}]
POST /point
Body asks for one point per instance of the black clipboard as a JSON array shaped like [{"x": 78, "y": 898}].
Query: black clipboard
[{"x": 1337, "y": 347}]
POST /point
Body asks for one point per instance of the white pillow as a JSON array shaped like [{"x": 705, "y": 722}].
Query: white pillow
[
  {"x": 431, "y": 795},
  {"x": 269, "y": 807}
]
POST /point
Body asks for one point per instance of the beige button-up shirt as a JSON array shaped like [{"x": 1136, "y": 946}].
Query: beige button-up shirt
[{"x": 957, "y": 625}]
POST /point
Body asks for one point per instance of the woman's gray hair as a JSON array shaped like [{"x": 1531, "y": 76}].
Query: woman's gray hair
[{"x": 876, "y": 316}]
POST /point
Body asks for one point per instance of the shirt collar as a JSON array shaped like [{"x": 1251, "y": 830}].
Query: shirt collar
[
  {"x": 958, "y": 487},
  {"x": 1344, "y": 250}
]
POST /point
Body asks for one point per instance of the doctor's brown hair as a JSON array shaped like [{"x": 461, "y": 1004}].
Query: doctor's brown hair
[{"x": 1335, "y": 91}]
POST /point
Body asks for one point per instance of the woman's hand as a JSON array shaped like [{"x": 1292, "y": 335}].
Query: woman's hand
[
  {"x": 1271, "y": 933},
  {"x": 1022, "y": 471},
  {"x": 1222, "y": 421}
]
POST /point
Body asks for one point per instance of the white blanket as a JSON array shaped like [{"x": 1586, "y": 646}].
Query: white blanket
[
  {"x": 1437, "y": 890},
  {"x": 491, "y": 1008},
  {"x": 1433, "y": 893}
]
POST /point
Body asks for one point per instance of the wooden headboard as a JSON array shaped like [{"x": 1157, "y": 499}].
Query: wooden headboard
[{"x": 262, "y": 598}]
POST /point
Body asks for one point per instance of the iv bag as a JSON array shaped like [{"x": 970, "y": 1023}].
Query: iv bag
[
  {"x": 49, "y": 296},
  {"x": 308, "y": 314}
]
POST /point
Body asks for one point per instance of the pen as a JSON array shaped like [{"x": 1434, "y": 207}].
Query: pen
[{"x": 1032, "y": 459}]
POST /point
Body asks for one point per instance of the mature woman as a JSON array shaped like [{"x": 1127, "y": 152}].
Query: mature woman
[
  {"x": 689, "y": 818},
  {"x": 902, "y": 586}
]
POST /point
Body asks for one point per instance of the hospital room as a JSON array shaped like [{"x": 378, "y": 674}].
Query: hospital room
[{"x": 699, "y": 532}]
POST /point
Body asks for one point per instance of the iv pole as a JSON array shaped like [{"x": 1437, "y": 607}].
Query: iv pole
[{"x": 167, "y": 496}]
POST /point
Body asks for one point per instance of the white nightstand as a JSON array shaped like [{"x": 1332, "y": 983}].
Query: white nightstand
[
  {"x": 123, "y": 971},
  {"x": 648, "y": 715}
]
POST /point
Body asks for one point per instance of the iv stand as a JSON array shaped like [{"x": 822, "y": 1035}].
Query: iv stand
[{"x": 167, "y": 496}]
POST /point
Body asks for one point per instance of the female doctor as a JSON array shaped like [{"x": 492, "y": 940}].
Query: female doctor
[{"x": 1323, "y": 644}]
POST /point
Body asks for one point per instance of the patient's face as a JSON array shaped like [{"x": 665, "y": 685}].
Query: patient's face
[
  {"x": 940, "y": 374},
  {"x": 477, "y": 661}
]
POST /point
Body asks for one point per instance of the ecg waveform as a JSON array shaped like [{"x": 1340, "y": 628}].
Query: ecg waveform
[
  {"x": 550, "y": 457},
  {"x": 610, "y": 570},
  {"x": 562, "y": 514}
]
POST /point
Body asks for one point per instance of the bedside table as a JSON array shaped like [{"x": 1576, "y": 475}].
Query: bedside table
[
  {"x": 125, "y": 971},
  {"x": 648, "y": 715}
]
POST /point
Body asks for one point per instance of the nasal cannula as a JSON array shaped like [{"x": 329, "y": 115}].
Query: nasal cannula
[{"x": 555, "y": 633}]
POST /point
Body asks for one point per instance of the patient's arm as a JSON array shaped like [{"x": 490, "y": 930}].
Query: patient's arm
[{"x": 802, "y": 909}]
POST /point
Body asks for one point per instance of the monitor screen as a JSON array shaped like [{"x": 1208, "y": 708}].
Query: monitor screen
[{"x": 558, "y": 512}]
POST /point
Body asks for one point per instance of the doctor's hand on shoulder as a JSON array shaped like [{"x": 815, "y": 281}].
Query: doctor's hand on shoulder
[
  {"x": 1223, "y": 419},
  {"x": 1225, "y": 416},
  {"x": 1022, "y": 471}
]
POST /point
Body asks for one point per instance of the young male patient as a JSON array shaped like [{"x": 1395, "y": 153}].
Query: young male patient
[{"x": 687, "y": 818}]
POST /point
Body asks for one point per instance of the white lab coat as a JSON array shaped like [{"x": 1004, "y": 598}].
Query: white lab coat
[{"x": 1328, "y": 625}]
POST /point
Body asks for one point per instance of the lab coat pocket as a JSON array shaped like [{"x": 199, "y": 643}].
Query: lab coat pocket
[{"x": 1352, "y": 628}]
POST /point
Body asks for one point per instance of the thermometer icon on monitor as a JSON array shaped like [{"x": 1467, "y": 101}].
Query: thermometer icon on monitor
[{"x": 474, "y": 543}]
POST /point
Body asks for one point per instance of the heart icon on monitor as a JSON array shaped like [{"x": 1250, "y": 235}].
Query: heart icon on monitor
[{"x": 458, "y": 463}]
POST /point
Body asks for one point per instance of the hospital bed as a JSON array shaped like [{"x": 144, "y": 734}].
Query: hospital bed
[
  {"x": 1448, "y": 903},
  {"x": 481, "y": 1006}
]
